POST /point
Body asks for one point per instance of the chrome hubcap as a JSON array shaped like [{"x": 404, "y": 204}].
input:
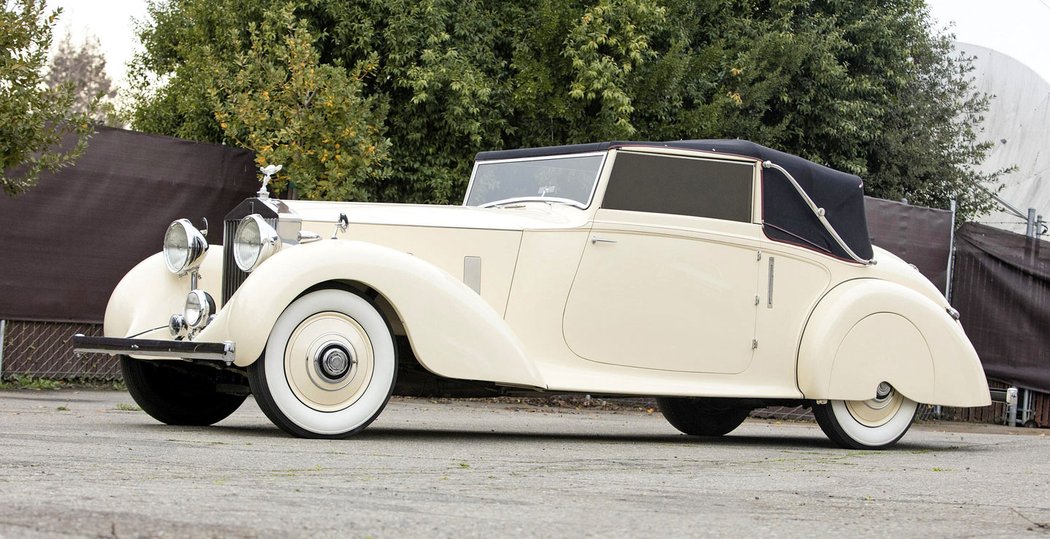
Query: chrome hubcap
[
  {"x": 334, "y": 362},
  {"x": 328, "y": 361}
]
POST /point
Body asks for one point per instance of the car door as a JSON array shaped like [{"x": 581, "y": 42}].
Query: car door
[{"x": 669, "y": 277}]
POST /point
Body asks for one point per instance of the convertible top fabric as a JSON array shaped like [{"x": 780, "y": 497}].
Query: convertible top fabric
[{"x": 786, "y": 217}]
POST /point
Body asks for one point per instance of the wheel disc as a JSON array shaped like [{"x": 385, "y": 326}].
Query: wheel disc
[
  {"x": 329, "y": 361},
  {"x": 876, "y": 412}
]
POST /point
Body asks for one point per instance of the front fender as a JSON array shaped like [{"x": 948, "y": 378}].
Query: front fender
[
  {"x": 867, "y": 331},
  {"x": 452, "y": 330},
  {"x": 147, "y": 296}
]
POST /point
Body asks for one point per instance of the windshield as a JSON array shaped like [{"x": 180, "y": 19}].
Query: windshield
[{"x": 569, "y": 180}]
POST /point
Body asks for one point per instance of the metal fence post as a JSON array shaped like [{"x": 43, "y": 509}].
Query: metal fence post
[
  {"x": 951, "y": 255},
  {"x": 1011, "y": 414},
  {"x": 3, "y": 323}
]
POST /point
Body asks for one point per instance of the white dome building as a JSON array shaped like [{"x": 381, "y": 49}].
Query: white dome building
[{"x": 1018, "y": 122}]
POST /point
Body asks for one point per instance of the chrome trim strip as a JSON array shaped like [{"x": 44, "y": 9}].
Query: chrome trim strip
[
  {"x": 185, "y": 350},
  {"x": 819, "y": 212},
  {"x": 769, "y": 296}
]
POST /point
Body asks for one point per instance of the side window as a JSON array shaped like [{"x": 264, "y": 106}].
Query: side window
[{"x": 680, "y": 186}]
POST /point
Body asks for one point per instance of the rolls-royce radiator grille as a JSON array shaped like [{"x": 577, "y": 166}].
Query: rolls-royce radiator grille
[{"x": 232, "y": 276}]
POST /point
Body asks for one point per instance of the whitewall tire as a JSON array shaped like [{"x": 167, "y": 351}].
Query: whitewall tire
[
  {"x": 871, "y": 424},
  {"x": 329, "y": 367}
]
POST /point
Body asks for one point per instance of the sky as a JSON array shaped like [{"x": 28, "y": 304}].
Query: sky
[
  {"x": 1014, "y": 27},
  {"x": 1017, "y": 28},
  {"x": 108, "y": 20}
]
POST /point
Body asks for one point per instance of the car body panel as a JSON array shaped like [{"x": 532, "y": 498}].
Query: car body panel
[
  {"x": 149, "y": 294},
  {"x": 867, "y": 331},
  {"x": 453, "y": 331},
  {"x": 665, "y": 306}
]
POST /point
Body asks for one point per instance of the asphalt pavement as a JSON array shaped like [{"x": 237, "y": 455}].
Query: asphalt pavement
[{"x": 90, "y": 464}]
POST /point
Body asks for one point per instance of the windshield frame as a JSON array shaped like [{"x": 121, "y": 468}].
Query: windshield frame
[{"x": 604, "y": 154}]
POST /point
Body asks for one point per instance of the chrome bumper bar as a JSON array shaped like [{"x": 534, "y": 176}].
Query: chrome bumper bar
[
  {"x": 185, "y": 350},
  {"x": 1007, "y": 395}
]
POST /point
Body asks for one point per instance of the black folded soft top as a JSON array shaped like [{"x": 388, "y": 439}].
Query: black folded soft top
[{"x": 785, "y": 214}]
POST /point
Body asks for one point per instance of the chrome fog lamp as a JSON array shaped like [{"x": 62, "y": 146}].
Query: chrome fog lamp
[
  {"x": 254, "y": 242},
  {"x": 199, "y": 307},
  {"x": 184, "y": 247},
  {"x": 177, "y": 326}
]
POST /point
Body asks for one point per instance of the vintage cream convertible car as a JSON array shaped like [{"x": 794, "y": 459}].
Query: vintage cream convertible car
[{"x": 718, "y": 276}]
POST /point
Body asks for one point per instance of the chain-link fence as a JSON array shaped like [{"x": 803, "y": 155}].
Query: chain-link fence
[{"x": 45, "y": 349}]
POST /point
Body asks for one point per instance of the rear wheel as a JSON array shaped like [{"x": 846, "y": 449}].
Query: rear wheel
[
  {"x": 329, "y": 366},
  {"x": 180, "y": 393},
  {"x": 871, "y": 424},
  {"x": 703, "y": 416}
]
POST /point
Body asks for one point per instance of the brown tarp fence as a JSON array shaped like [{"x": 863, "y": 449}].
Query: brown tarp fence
[
  {"x": 1001, "y": 287},
  {"x": 920, "y": 236},
  {"x": 66, "y": 243}
]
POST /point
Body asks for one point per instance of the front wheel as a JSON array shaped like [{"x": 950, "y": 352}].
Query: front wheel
[
  {"x": 703, "y": 416},
  {"x": 871, "y": 424},
  {"x": 329, "y": 366}
]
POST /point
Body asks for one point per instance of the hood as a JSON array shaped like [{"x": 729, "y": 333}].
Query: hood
[{"x": 533, "y": 216}]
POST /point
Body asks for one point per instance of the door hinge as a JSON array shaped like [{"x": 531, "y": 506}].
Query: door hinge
[
  {"x": 757, "y": 300},
  {"x": 754, "y": 344}
]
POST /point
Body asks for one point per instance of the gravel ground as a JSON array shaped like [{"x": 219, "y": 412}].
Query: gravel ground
[{"x": 89, "y": 464}]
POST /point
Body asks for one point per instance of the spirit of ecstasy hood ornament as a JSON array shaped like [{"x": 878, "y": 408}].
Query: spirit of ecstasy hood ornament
[{"x": 268, "y": 171}]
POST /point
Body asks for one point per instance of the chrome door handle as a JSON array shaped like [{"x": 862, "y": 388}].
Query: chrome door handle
[{"x": 596, "y": 239}]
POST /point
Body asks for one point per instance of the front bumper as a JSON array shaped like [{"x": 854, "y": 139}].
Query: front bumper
[{"x": 184, "y": 350}]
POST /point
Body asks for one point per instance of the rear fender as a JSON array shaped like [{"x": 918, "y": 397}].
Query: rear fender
[
  {"x": 452, "y": 330},
  {"x": 868, "y": 331}
]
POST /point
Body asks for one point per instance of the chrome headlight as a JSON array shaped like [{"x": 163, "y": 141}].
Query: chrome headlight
[
  {"x": 199, "y": 307},
  {"x": 254, "y": 242},
  {"x": 184, "y": 247}
]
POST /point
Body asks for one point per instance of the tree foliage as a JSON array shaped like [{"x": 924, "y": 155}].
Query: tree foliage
[
  {"x": 867, "y": 86},
  {"x": 83, "y": 67},
  {"x": 34, "y": 118},
  {"x": 295, "y": 111}
]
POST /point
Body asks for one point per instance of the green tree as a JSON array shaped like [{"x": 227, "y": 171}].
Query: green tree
[
  {"x": 293, "y": 110},
  {"x": 579, "y": 71},
  {"x": 867, "y": 86},
  {"x": 438, "y": 69},
  {"x": 34, "y": 119}
]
